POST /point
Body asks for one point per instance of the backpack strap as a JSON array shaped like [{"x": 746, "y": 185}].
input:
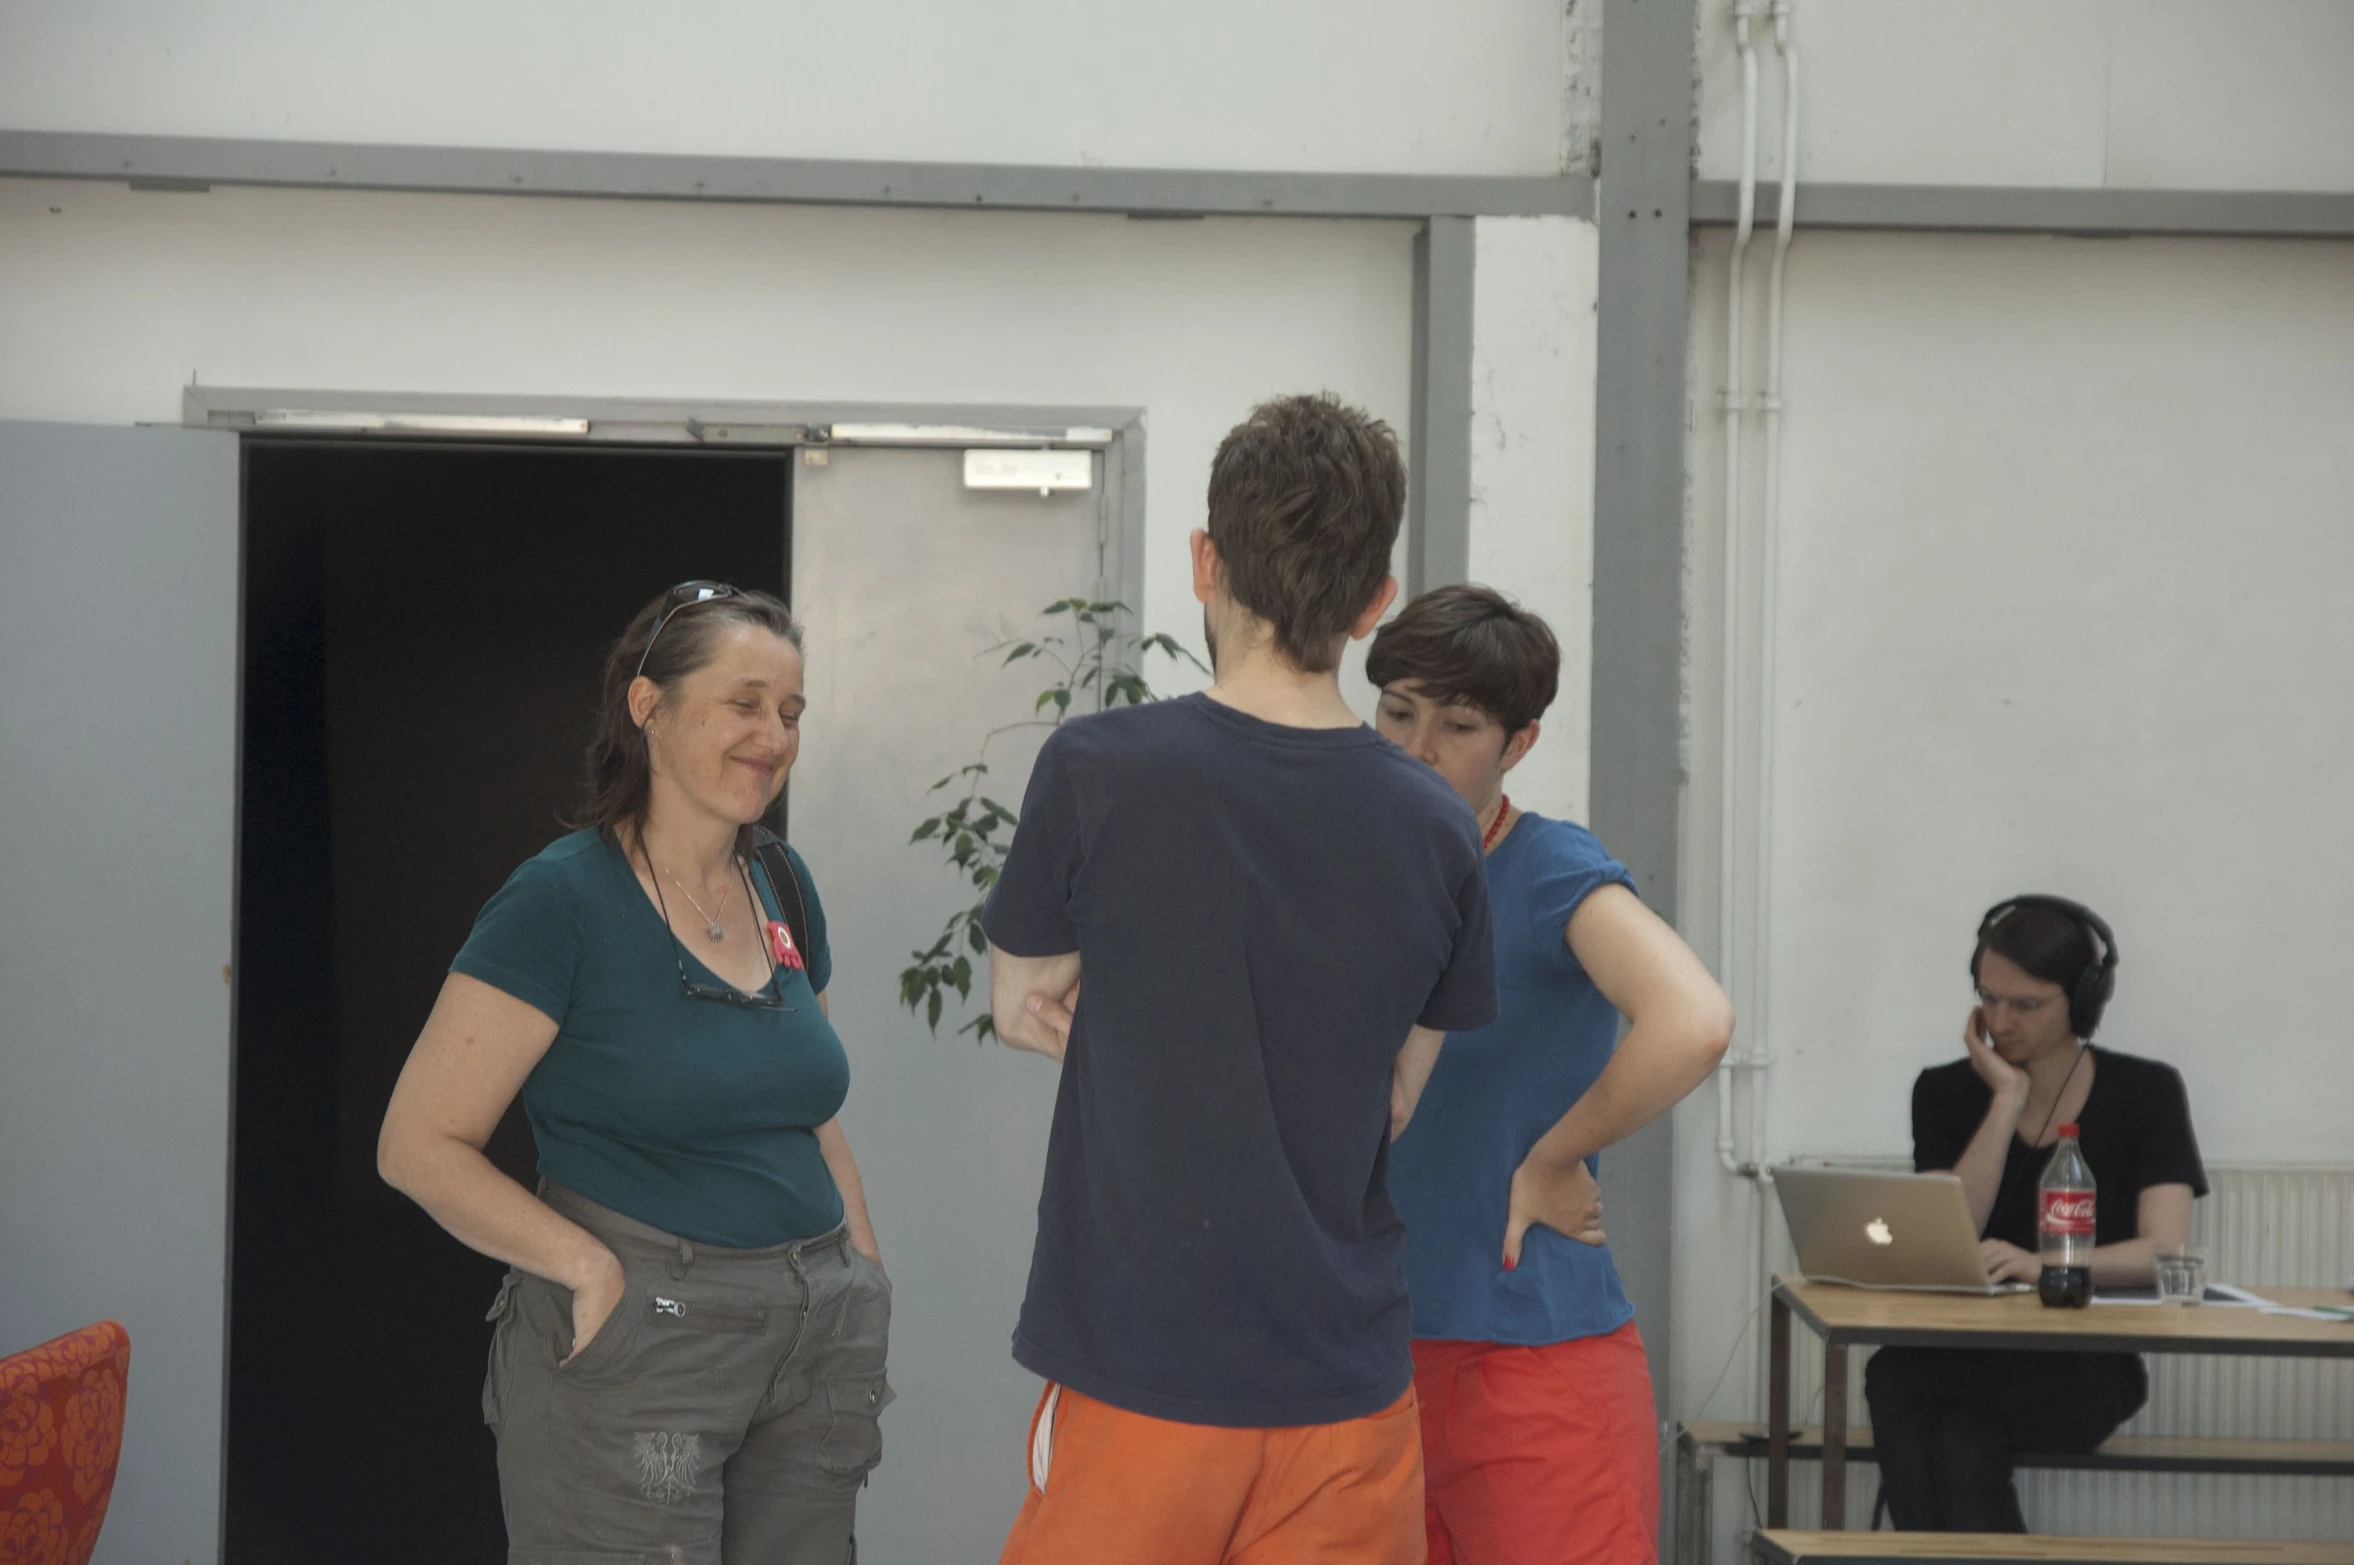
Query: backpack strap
[{"x": 769, "y": 848}]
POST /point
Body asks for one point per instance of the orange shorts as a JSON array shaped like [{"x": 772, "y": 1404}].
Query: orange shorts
[
  {"x": 1540, "y": 1456},
  {"x": 1107, "y": 1484}
]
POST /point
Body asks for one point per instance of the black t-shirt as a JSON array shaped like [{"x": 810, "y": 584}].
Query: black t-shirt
[
  {"x": 1262, "y": 913},
  {"x": 2135, "y": 1129}
]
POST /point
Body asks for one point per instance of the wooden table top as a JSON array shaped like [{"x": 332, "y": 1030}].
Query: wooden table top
[
  {"x": 2019, "y": 1320},
  {"x": 1786, "y": 1547}
]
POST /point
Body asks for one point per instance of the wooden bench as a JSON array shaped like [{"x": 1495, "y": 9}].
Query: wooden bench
[
  {"x": 1697, "y": 1445},
  {"x": 1786, "y": 1546}
]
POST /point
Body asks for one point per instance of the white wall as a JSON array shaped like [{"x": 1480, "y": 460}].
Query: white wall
[
  {"x": 2183, "y": 94},
  {"x": 1386, "y": 85},
  {"x": 2066, "y": 603},
  {"x": 1532, "y": 466},
  {"x": 112, "y": 300}
]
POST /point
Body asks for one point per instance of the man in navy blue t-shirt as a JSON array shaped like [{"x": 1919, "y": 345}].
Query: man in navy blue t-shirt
[{"x": 1278, "y": 914}]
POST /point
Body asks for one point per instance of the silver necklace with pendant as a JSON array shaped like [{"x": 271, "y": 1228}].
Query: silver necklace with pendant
[{"x": 714, "y": 928}]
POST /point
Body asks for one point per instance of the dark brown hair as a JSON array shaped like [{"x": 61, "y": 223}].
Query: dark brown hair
[
  {"x": 1474, "y": 645},
  {"x": 617, "y": 773},
  {"x": 2044, "y": 941},
  {"x": 1305, "y": 500}
]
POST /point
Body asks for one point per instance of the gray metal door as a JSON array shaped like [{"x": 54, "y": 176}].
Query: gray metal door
[
  {"x": 903, "y": 576},
  {"x": 118, "y": 751}
]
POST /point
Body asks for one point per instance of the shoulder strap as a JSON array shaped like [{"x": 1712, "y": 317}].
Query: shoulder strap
[{"x": 770, "y": 849}]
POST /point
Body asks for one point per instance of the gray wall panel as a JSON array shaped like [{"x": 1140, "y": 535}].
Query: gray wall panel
[{"x": 118, "y": 625}]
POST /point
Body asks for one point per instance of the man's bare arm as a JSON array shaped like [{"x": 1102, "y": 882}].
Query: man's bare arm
[
  {"x": 1411, "y": 1074},
  {"x": 1031, "y": 999}
]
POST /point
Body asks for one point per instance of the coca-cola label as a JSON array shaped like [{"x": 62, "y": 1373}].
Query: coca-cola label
[{"x": 2066, "y": 1212}]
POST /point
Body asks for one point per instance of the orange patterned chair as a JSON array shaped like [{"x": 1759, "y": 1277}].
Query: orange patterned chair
[{"x": 61, "y": 1429}]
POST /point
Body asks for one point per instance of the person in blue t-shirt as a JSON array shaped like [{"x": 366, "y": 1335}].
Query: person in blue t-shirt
[
  {"x": 1278, "y": 915},
  {"x": 1539, "y": 1439}
]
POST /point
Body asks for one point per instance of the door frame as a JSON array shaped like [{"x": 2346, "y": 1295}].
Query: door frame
[{"x": 1114, "y": 433}]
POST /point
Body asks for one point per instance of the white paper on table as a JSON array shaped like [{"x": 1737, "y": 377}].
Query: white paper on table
[{"x": 2222, "y": 1295}]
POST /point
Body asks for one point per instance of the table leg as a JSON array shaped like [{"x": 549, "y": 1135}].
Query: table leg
[
  {"x": 1778, "y": 1416},
  {"x": 1834, "y": 1434}
]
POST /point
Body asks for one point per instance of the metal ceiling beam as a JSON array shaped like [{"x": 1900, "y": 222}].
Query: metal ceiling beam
[{"x": 191, "y": 162}]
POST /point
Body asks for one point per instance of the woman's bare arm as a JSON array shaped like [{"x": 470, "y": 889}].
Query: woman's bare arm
[
  {"x": 469, "y": 1062},
  {"x": 1678, "y": 1024},
  {"x": 834, "y": 1147}
]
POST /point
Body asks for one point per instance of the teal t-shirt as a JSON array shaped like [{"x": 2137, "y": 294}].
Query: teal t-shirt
[{"x": 696, "y": 1116}]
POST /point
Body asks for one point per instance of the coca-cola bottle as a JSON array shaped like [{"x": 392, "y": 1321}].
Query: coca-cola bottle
[{"x": 2064, "y": 1226}]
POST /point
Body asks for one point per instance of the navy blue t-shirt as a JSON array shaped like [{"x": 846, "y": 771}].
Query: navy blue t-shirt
[{"x": 1261, "y": 913}]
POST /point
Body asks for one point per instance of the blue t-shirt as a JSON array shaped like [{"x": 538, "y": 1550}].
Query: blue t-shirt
[
  {"x": 1495, "y": 1092},
  {"x": 696, "y": 1116},
  {"x": 1262, "y": 913}
]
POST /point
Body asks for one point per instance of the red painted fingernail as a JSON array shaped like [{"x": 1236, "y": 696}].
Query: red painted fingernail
[{"x": 1510, "y": 1263}]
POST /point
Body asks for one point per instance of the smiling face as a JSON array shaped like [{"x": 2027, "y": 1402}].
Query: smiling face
[
  {"x": 1459, "y": 741},
  {"x": 722, "y": 740},
  {"x": 2025, "y": 1017}
]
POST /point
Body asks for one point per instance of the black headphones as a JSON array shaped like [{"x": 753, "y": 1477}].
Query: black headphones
[{"x": 2089, "y": 995}]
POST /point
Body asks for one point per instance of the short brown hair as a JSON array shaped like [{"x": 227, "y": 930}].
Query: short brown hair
[
  {"x": 617, "y": 774},
  {"x": 1474, "y": 645},
  {"x": 1305, "y": 500},
  {"x": 2043, "y": 940}
]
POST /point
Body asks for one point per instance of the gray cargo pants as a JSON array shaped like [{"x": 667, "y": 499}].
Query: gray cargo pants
[{"x": 724, "y": 1415}]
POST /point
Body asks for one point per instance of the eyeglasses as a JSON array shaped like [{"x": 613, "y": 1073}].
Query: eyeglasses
[
  {"x": 683, "y": 596},
  {"x": 2017, "y": 1005},
  {"x": 769, "y": 997}
]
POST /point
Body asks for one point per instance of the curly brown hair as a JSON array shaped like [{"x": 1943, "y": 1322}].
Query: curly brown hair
[{"x": 1306, "y": 497}]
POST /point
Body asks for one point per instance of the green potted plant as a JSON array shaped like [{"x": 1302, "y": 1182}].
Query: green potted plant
[{"x": 1096, "y": 661}]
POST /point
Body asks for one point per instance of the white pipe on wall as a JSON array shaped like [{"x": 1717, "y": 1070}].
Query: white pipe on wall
[
  {"x": 1761, "y": 881},
  {"x": 1735, "y": 404},
  {"x": 1761, "y": 1041}
]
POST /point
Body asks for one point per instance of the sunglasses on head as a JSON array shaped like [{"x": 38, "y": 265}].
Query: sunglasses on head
[{"x": 683, "y": 596}]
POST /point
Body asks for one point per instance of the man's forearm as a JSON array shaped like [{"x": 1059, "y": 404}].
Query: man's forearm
[
  {"x": 1013, "y": 983},
  {"x": 1981, "y": 1163}
]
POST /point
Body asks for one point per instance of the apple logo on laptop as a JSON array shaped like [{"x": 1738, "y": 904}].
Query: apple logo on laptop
[{"x": 1877, "y": 1231}]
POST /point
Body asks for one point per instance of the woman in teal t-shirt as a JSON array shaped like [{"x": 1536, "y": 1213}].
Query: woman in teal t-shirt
[
  {"x": 1539, "y": 1441},
  {"x": 690, "y": 1341}
]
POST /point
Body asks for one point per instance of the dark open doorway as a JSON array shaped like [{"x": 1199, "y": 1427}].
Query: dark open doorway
[{"x": 423, "y": 631}]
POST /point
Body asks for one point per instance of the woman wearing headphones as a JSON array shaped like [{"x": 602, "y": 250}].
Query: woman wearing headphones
[{"x": 1946, "y": 1422}]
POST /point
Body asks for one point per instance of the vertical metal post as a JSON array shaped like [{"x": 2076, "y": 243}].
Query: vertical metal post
[
  {"x": 1644, "y": 209},
  {"x": 1438, "y": 461},
  {"x": 1834, "y": 1433},
  {"x": 1643, "y": 205},
  {"x": 1778, "y": 1415}
]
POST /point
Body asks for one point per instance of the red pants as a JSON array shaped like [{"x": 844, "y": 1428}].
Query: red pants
[
  {"x": 1107, "y": 1485},
  {"x": 1539, "y": 1456}
]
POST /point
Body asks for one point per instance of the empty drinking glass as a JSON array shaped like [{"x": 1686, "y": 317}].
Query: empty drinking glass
[{"x": 2182, "y": 1274}]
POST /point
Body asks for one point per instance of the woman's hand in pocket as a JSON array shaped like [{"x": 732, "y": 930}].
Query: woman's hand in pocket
[{"x": 594, "y": 1301}]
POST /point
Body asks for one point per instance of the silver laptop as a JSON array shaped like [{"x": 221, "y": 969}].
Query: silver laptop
[{"x": 1879, "y": 1230}]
